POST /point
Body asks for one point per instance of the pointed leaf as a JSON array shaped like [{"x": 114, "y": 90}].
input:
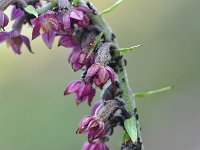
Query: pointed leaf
[
  {"x": 31, "y": 10},
  {"x": 131, "y": 128},
  {"x": 124, "y": 50},
  {"x": 152, "y": 92}
]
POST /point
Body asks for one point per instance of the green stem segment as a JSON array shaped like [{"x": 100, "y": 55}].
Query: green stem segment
[{"x": 110, "y": 9}]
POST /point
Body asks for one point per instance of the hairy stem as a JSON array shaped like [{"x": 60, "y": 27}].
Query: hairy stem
[{"x": 122, "y": 74}]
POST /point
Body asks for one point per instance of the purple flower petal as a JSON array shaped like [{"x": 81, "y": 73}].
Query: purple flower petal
[
  {"x": 16, "y": 44},
  {"x": 77, "y": 15},
  {"x": 48, "y": 38},
  {"x": 16, "y": 13},
  {"x": 72, "y": 87},
  {"x": 75, "y": 55},
  {"x": 14, "y": 33},
  {"x": 3, "y": 19},
  {"x": 26, "y": 41},
  {"x": 83, "y": 9},
  {"x": 67, "y": 41},
  {"x": 91, "y": 71},
  {"x": 84, "y": 22},
  {"x": 111, "y": 72},
  {"x": 36, "y": 31},
  {"x": 66, "y": 21},
  {"x": 103, "y": 75},
  {"x": 3, "y": 36}
]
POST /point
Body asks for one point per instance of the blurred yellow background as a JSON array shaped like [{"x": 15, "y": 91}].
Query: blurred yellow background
[{"x": 34, "y": 114}]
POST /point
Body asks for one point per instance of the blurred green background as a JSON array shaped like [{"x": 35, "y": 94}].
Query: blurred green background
[{"x": 34, "y": 114}]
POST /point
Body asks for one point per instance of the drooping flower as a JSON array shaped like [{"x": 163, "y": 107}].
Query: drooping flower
[
  {"x": 47, "y": 26},
  {"x": 93, "y": 126},
  {"x": 95, "y": 145},
  {"x": 79, "y": 58},
  {"x": 16, "y": 13},
  {"x": 82, "y": 91},
  {"x": 15, "y": 40},
  {"x": 76, "y": 15},
  {"x": 3, "y": 19},
  {"x": 101, "y": 74}
]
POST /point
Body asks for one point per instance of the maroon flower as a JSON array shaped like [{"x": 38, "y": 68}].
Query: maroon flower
[
  {"x": 47, "y": 26},
  {"x": 76, "y": 15},
  {"x": 82, "y": 91},
  {"x": 95, "y": 145},
  {"x": 79, "y": 58},
  {"x": 101, "y": 74},
  {"x": 16, "y": 13},
  {"x": 15, "y": 40},
  {"x": 3, "y": 19},
  {"x": 93, "y": 126}
]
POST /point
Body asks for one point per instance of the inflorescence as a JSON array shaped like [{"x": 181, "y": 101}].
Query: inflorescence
[{"x": 91, "y": 52}]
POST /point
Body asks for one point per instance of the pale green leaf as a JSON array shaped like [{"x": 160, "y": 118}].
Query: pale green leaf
[
  {"x": 131, "y": 128},
  {"x": 31, "y": 10},
  {"x": 124, "y": 50},
  {"x": 152, "y": 92}
]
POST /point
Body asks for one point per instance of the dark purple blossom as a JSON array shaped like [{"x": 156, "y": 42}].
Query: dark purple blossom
[
  {"x": 95, "y": 145},
  {"x": 3, "y": 19},
  {"x": 76, "y": 15},
  {"x": 16, "y": 13},
  {"x": 101, "y": 74},
  {"x": 82, "y": 91},
  {"x": 15, "y": 40},
  {"x": 46, "y": 25},
  {"x": 93, "y": 126}
]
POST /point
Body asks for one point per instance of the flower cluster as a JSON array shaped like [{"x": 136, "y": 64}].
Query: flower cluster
[{"x": 91, "y": 52}]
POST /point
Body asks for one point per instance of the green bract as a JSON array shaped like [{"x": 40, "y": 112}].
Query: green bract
[
  {"x": 152, "y": 92},
  {"x": 31, "y": 10},
  {"x": 124, "y": 50},
  {"x": 130, "y": 126}
]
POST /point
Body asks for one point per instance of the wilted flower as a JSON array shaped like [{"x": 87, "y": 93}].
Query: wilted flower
[
  {"x": 82, "y": 91},
  {"x": 93, "y": 126},
  {"x": 47, "y": 26},
  {"x": 15, "y": 40},
  {"x": 76, "y": 15},
  {"x": 101, "y": 74},
  {"x": 3, "y": 19},
  {"x": 95, "y": 145}
]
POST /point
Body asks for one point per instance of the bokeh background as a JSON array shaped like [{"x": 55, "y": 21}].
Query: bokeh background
[{"x": 34, "y": 114}]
